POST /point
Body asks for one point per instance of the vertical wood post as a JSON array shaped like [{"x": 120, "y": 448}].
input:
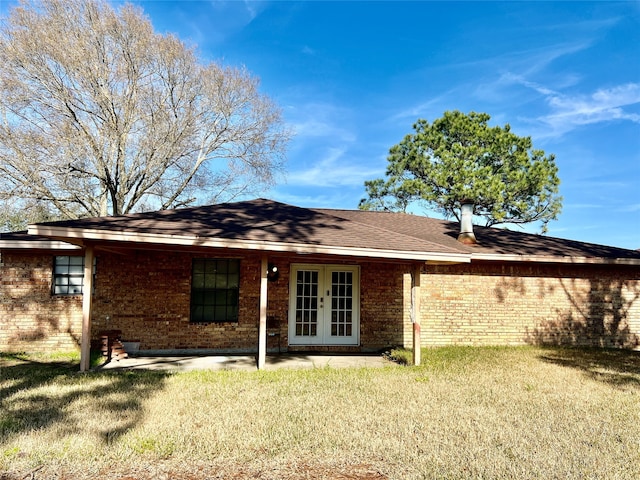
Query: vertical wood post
[
  {"x": 262, "y": 326},
  {"x": 87, "y": 289},
  {"x": 415, "y": 311}
]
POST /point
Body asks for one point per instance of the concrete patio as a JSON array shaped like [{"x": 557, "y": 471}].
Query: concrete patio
[{"x": 183, "y": 363}]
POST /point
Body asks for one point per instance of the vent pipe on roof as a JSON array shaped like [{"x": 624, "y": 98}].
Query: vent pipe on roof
[{"x": 466, "y": 224}]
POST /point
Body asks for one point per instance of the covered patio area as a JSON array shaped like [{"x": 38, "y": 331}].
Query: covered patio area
[{"x": 184, "y": 363}]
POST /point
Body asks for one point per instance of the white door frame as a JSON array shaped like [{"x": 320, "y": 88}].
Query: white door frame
[{"x": 322, "y": 303}]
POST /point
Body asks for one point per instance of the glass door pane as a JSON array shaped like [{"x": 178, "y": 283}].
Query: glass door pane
[
  {"x": 341, "y": 304},
  {"x": 306, "y": 314}
]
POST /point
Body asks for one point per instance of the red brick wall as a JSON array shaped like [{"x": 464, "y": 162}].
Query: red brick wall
[
  {"x": 31, "y": 319},
  {"x": 382, "y": 308},
  {"x": 146, "y": 295},
  {"x": 158, "y": 314},
  {"x": 513, "y": 304}
]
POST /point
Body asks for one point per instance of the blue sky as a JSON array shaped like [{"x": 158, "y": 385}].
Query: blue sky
[{"x": 353, "y": 77}]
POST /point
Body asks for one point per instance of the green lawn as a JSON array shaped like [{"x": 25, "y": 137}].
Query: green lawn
[{"x": 464, "y": 413}]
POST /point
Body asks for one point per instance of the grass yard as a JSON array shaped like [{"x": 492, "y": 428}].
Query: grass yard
[{"x": 494, "y": 413}]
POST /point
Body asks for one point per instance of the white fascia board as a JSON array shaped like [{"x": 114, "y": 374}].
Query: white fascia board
[
  {"x": 37, "y": 245},
  {"x": 496, "y": 257},
  {"x": 195, "y": 241}
]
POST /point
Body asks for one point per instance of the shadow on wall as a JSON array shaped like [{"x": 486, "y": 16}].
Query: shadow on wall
[
  {"x": 600, "y": 318},
  {"x": 38, "y": 321},
  {"x": 46, "y": 327}
]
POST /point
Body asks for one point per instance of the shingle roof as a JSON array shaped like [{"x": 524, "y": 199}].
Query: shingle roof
[
  {"x": 268, "y": 222},
  {"x": 491, "y": 241}
]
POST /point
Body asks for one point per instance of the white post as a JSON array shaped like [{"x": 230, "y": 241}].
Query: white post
[
  {"x": 262, "y": 328},
  {"x": 87, "y": 289},
  {"x": 415, "y": 312}
]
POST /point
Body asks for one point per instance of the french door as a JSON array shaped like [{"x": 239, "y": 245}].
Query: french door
[{"x": 324, "y": 305}]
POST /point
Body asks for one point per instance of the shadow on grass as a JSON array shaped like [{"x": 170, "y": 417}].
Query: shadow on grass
[
  {"x": 38, "y": 394},
  {"x": 619, "y": 368}
]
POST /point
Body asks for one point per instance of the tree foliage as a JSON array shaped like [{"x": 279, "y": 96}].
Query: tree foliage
[
  {"x": 101, "y": 115},
  {"x": 460, "y": 158}
]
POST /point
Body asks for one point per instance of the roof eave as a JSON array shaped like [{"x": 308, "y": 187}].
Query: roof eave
[
  {"x": 37, "y": 245},
  {"x": 501, "y": 257},
  {"x": 94, "y": 235}
]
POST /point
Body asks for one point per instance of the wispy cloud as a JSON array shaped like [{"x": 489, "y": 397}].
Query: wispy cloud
[
  {"x": 320, "y": 120},
  {"x": 490, "y": 79},
  {"x": 567, "y": 112},
  {"x": 335, "y": 169},
  {"x": 564, "y": 112},
  {"x": 318, "y": 200},
  {"x": 632, "y": 208},
  {"x": 307, "y": 50},
  {"x": 211, "y": 23},
  {"x": 425, "y": 109}
]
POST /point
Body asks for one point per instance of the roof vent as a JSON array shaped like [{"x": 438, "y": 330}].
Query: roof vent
[{"x": 466, "y": 224}]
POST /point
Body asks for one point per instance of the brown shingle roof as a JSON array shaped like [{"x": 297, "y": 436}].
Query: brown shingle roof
[
  {"x": 257, "y": 220},
  {"x": 277, "y": 223},
  {"x": 491, "y": 241}
]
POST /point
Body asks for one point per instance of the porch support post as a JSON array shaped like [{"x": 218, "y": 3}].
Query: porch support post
[
  {"x": 87, "y": 289},
  {"x": 262, "y": 326},
  {"x": 415, "y": 311}
]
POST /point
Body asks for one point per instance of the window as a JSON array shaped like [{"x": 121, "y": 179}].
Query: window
[
  {"x": 68, "y": 274},
  {"x": 215, "y": 287}
]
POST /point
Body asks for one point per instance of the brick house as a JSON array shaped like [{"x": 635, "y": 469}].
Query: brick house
[{"x": 261, "y": 276}]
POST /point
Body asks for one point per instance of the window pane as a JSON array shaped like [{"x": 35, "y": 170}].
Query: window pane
[
  {"x": 68, "y": 274},
  {"x": 233, "y": 280},
  {"x": 199, "y": 266},
  {"x": 220, "y": 313},
  {"x": 215, "y": 288},
  {"x": 221, "y": 280},
  {"x": 197, "y": 313},
  {"x": 76, "y": 261},
  {"x": 198, "y": 280},
  {"x": 207, "y": 314},
  {"x": 233, "y": 297},
  {"x": 210, "y": 281},
  {"x": 59, "y": 269},
  {"x": 223, "y": 266},
  {"x": 209, "y": 298},
  {"x": 220, "y": 297}
]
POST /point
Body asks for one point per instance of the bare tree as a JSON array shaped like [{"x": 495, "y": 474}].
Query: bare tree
[{"x": 101, "y": 115}]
